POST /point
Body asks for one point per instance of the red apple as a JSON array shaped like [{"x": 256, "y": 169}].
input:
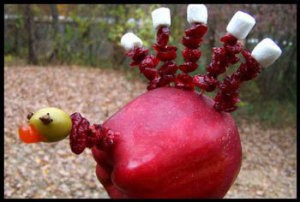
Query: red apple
[{"x": 172, "y": 144}]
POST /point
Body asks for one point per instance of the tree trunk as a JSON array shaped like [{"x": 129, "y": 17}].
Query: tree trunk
[
  {"x": 118, "y": 55},
  {"x": 55, "y": 25},
  {"x": 290, "y": 81},
  {"x": 29, "y": 26},
  {"x": 16, "y": 42}
]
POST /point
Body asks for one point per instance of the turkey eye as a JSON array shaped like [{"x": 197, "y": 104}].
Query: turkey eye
[{"x": 46, "y": 119}]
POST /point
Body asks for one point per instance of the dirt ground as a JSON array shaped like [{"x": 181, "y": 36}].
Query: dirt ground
[{"x": 53, "y": 171}]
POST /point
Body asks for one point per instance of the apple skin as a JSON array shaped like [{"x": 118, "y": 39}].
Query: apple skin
[{"x": 172, "y": 144}]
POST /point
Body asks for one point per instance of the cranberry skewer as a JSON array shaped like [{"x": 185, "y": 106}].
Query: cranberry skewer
[
  {"x": 147, "y": 63},
  {"x": 263, "y": 55},
  {"x": 161, "y": 19},
  {"x": 237, "y": 29},
  {"x": 140, "y": 57},
  {"x": 197, "y": 17}
]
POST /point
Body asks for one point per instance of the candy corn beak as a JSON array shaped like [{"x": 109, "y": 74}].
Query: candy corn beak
[{"x": 28, "y": 134}]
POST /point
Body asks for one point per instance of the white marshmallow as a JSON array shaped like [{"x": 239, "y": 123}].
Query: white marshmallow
[
  {"x": 130, "y": 40},
  {"x": 240, "y": 25},
  {"x": 197, "y": 13},
  {"x": 161, "y": 16},
  {"x": 266, "y": 52}
]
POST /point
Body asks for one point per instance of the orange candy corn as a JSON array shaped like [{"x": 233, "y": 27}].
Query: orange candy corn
[{"x": 28, "y": 134}]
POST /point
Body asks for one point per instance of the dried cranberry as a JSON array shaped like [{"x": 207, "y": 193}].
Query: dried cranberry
[
  {"x": 153, "y": 83},
  {"x": 191, "y": 55},
  {"x": 226, "y": 103},
  {"x": 234, "y": 49},
  {"x": 205, "y": 82},
  {"x": 229, "y": 39},
  {"x": 230, "y": 84},
  {"x": 165, "y": 80},
  {"x": 149, "y": 62},
  {"x": 150, "y": 73},
  {"x": 94, "y": 135},
  {"x": 162, "y": 36},
  {"x": 191, "y": 42},
  {"x": 218, "y": 55},
  {"x": 168, "y": 67},
  {"x": 158, "y": 48},
  {"x": 197, "y": 30},
  {"x": 216, "y": 69},
  {"x": 188, "y": 67},
  {"x": 184, "y": 81},
  {"x": 78, "y": 135},
  {"x": 250, "y": 68},
  {"x": 166, "y": 55},
  {"x": 108, "y": 139},
  {"x": 137, "y": 54}
]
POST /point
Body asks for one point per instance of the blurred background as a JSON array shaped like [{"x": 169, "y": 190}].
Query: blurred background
[{"x": 71, "y": 41}]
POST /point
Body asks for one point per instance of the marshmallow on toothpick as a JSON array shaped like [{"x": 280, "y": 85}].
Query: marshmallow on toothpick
[
  {"x": 130, "y": 40},
  {"x": 240, "y": 25},
  {"x": 197, "y": 13},
  {"x": 161, "y": 17},
  {"x": 266, "y": 52}
]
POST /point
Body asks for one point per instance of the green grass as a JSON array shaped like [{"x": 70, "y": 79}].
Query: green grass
[
  {"x": 269, "y": 113},
  {"x": 11, "y": 60}
]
